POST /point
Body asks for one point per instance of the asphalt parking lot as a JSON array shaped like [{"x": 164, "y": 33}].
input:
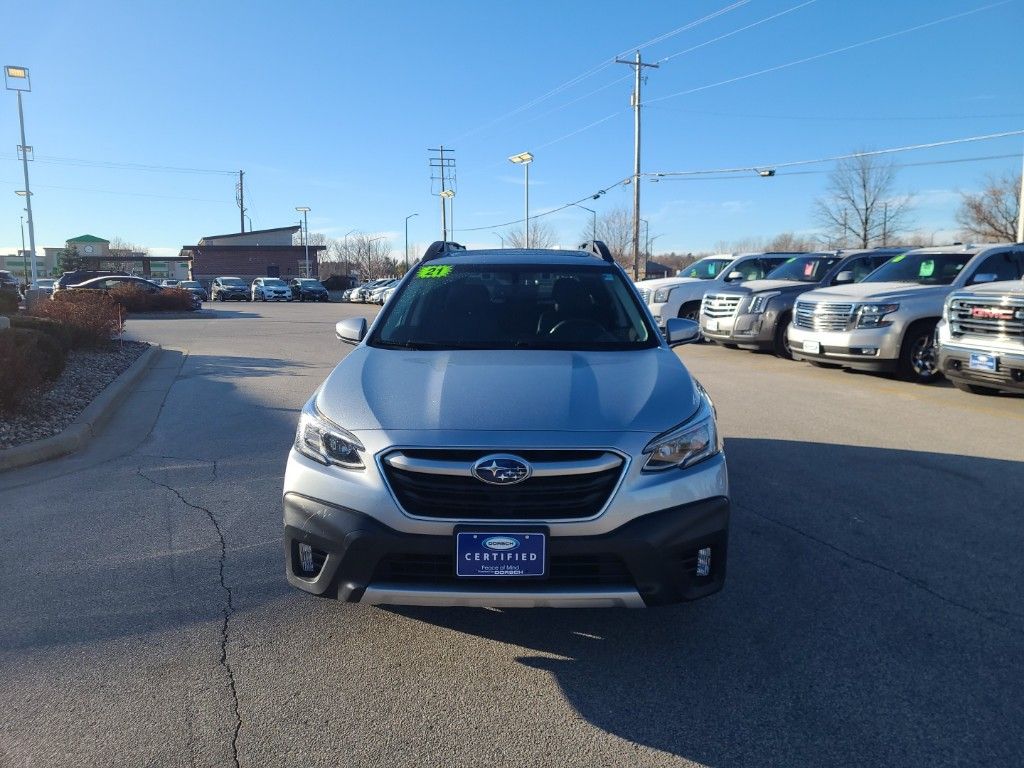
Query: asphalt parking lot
[{"x": 872, "y": 614}]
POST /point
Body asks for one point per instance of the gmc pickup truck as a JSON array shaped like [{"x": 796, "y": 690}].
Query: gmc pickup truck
[
  {"x": 887, "y": 322},
  {"x": 981, "y": 338}
]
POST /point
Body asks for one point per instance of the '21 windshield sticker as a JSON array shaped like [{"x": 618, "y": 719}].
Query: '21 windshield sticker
[{"x": 434, "y": 270}]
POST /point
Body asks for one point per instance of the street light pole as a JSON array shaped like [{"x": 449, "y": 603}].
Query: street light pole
[
  {"x": 21, "y": 82},
  {"x": 407, "y": 239},
  {"x": 524, "y": 159},
  {"x": 304, "y": 210},
  {"x": 593, "y": 228},
  {"x": 24, "y": 256},
  {"x": 498, "y": 235}
]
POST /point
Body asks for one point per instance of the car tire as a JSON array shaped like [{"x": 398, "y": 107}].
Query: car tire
[
  {"x": 975, "y": 389},
  {"x": 220, "y": 297},
  {"x": 780, "y": 343},
  {"x": 917, "y": 363},
  {"x": 690, "y": 311}
]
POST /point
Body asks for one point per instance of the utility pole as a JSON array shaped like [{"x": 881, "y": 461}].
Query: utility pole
[
  {"x": 240, "y": 199},
  {"x": 1020, "y": 209},
  {"x": 444, "y": 168},
  {"x": 24, "y": 253},
  {"x": 638, "y": 66}
]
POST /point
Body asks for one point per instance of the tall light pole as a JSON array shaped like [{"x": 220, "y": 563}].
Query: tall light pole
[
  {"x": 17, "y": 79},
  {"x": 1020, "y": 208},
  {"x": 304, "y": 210},
  {"x": 524, "y": 159},
  {"x": 593, "y": 228},
  {"x": 24, "y": 259},
  {"x": 498, "y": 235},
  {"x": 407, "y": 239}
]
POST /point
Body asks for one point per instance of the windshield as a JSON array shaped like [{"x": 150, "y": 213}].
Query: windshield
[
  {"x": 466, "y": 306},
  {"x": 920, "y": 268},
  {"x": 804, "y": 269},
  {"x": 705, "y": 269},
  {"x": 274, "y": 283},
  {"x": 189, "y": 283},
  {"x": 308, "y": 281},
  {"x": 233, "y": 282}
]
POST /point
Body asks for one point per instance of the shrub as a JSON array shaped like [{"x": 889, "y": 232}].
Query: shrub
[
  {"x": 134, "y": 299},
  {"x": 43, "y": 349},
  {"x": 20, "y": 372},
  {"x": 8, "y": 302},
  {"x": 60, "y": 333},
  {"x": 92, "y": 317}
]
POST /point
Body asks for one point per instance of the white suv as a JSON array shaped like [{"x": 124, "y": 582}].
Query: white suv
[{"x": 270, "y": 289}]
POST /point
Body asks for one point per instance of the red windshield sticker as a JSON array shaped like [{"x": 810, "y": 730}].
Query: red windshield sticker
[{"x": 809, "y": 269}]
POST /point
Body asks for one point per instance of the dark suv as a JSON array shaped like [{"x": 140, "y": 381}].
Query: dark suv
[
  {"x": 308, "y": 289},
  {"x": 78, "y": 276},
  {"x": 229, "y": 289},
  {"x": 756, "y": 314}
]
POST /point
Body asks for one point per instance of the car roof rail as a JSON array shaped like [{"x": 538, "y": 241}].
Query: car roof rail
[
  {"x": 599, "y": 249},
  {"x": 439, "y": 248}
]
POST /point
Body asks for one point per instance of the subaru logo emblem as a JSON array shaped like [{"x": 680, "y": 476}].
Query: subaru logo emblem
[{"x": 501, "y": 469}]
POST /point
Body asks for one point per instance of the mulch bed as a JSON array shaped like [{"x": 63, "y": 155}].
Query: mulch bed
[{"x": 46, "y": 412}]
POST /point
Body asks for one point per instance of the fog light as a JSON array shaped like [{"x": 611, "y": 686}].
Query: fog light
[
  {"x": 306, "y": 558},
  {"x": 704, "y": 561},
  {"x": 872, "y": 351}
]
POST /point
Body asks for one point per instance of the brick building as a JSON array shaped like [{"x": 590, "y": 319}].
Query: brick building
[{"x": 248, "y": 255}]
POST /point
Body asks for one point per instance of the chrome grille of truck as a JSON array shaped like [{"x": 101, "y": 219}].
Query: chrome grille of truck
[
  {"x": 720, "y": 304},
  {"x": 994, "y": 316},
  {"x": 822, "y": 316},
  {"x": 645, "y": 294}
]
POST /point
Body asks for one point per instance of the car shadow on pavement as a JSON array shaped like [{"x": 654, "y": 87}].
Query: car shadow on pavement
[{"x": 871, "y": 617}]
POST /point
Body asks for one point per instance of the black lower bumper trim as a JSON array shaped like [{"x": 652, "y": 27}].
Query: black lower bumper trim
[{"x": 657, "y": 554}]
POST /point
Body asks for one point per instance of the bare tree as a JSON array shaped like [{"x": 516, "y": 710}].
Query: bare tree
[
  {"x": 120, "y": 251},
  {"x": 541, "y": 236},
  {"x": 991, "y": 215},
  {"x": 860, "y": 207},
  {"x": 615, "y": 229},
  {"x": 370, "y": 256}
]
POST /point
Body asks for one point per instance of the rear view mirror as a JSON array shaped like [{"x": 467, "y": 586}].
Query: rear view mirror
[
  {"x": 352, "y": 330},
  {"x": 985, "y": 277},
  {"x": 734, "y": 275},
  {"x": 846, "y": 276},
  {"x": 679, "y": 330}
]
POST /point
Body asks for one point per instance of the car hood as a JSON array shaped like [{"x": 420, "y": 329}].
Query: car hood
[
  {"x": 522, "y": 390},
  {"x": 763, "y": 286},
  {"x": 858, "y": 292},
  {"x": 1014, "y": 288}
]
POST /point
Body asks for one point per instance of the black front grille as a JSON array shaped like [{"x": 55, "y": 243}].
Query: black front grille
[
  {"x": 563, "y": 569},
  {"x": 556, "y": 497}
]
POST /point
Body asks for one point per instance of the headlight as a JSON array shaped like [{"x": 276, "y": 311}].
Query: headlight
[
  {"x": 327, "y": 443},
  {"x": 873, "y": 315},
  {"x": 687, "y": 444},
  {"x": 759, "y": 303},
  {"x": 661, "y": 295}
]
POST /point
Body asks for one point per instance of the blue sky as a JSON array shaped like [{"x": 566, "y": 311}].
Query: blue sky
[{"x": 333, "y": 105}]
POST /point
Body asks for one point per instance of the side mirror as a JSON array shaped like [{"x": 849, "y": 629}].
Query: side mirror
[
  {"x": 734, "y": 275},
  {"x": 846, "y": 276},
  {"x": 351, "y": 330},
  {"x": 679, "y": 330},
  {"x": 985, "y": 277}
]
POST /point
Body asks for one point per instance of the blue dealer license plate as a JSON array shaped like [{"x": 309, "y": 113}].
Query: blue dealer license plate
[
  {"x": 480, "y": 553},
  {"x": 982, "y": 362}
]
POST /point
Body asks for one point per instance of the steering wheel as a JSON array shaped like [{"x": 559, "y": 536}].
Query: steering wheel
[{"x": 577, "y": 328}]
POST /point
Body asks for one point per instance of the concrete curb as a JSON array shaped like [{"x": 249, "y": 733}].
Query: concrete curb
[{"x": 88, "y": 423}]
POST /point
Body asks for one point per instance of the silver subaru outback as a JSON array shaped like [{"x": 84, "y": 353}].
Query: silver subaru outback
[{"x": 512, "y": 430}]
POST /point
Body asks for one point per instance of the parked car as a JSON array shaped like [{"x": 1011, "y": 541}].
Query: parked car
[
  {"x": 308, "y": 289},
  {"x": 981, "y": 338},
  {"x": 681, "y": 296},
  {"x": 228, "y": 289},
  {"x": 362, "y": 293},
  {"x": 169, "y": 283},
  {"x": 887, "y": 321},
  {"x": 346, "y": 294},
  {"x": 270, "y": 289},
  {"x": 377, "y": 294},
  {"x": 9, "y": 283},
  {"x": 112, "y": 281},
  {"x": 195, "y": 287},
  {"x": 388, "y": 293},
  {"x": 45, "y": 284},
  {"x": 757, "y": 313},
  {"x": 77, "y": 276},
  {"x": 564, "y": 457}
]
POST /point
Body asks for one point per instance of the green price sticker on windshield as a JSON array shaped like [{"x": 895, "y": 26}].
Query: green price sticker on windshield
[
  {"x": 434, "y": 270},
  {"x": 898, "y": 259},
  {"x": 927, "y": 268}
]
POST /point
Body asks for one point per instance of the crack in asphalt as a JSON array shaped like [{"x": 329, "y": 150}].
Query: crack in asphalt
[
  {"x": 228, "y": 608},
  {"x": 886, "y": 569}
]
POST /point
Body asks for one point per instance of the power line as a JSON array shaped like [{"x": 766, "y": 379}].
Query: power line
[
  {"x": 591, "y": 196},
  {"x": 121, "y": 192},
  {"x": 840, "y": 118},
  {"x": 602, "y": 66},
  {"x": 843, "y": 49},
  {"x": 833, "y": 158},
  {"x": 52, "y": 160}
]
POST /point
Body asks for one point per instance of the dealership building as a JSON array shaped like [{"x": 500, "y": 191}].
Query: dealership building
[{"x": 248, "y": 255}]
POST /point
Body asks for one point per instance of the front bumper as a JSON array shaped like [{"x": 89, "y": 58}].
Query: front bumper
[
  {"x": 863, "y": 349},
  {"x": 651, "y": 560},
  {"x": 954, "y": 361},
  {"x": 744, "y": 329}
]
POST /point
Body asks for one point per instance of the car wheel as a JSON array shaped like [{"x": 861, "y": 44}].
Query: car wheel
[
  {"x": 220, "y": 297},
  {"x": 975, "y": 389},
  {"x": 917, "y": 361},
  {"x": 780, "y": 345}
]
